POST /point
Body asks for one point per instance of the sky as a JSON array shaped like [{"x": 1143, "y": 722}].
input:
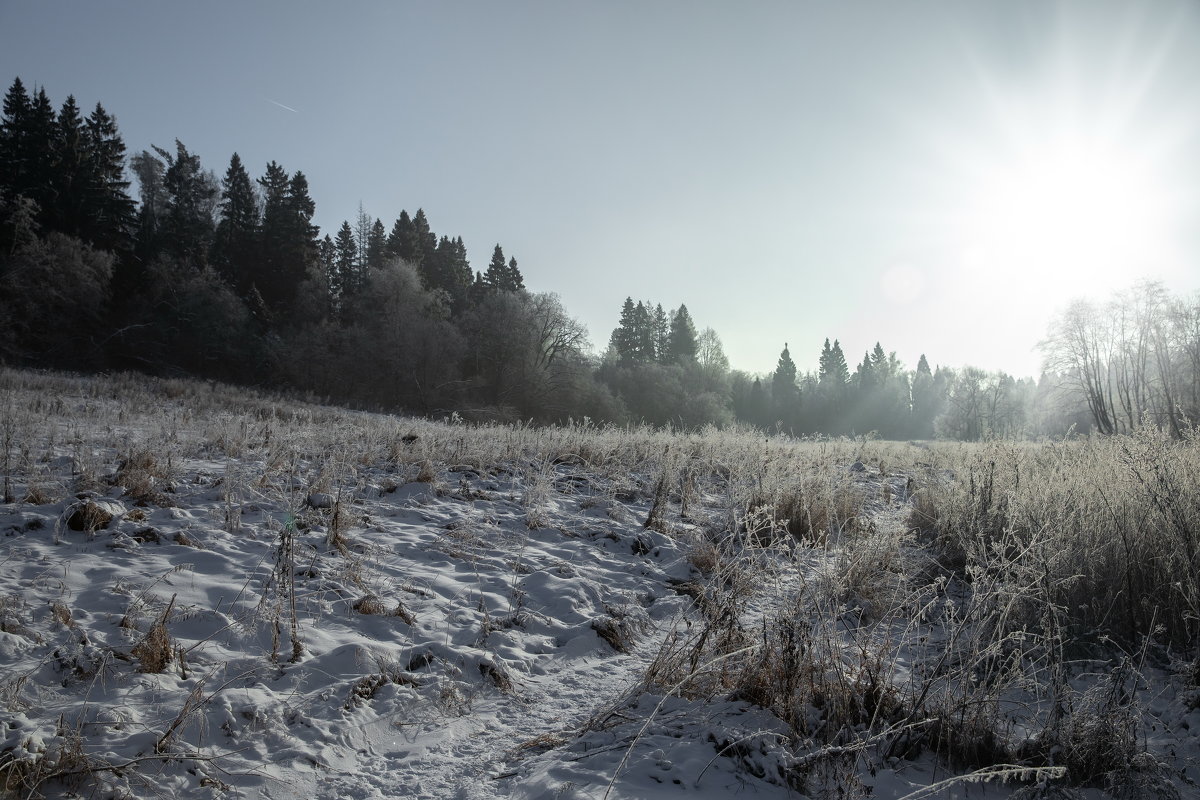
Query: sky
[{"x": 940, "y": 177}]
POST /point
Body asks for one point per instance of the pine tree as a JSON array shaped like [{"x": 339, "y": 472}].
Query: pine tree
[
  {"x": 515, "y": 279},
  {"x": 289, "y": 239},
  {"x": 833, "y": 370},
  {"x": 235, "y": 247},
  {"x": 28, "y": 133},
  {"x": 785, "y": 393},
  {"x": 376, "y": 246},
  {"x": 881, "y": 364},
  {"x": 108, "y": 222},
  {"x": 479, "y": 289},
  {"x": 624, "y": 336},
  {"x": 496, "y": 276},
  {"x": 662, "y": 333},
  {"x": 425, "y": 242},
  {"x": 783, "y": 379},
  {"x": 346, "y": 265},
  {"x": 362, "y": 237},
  {"x": 841, "y": 373},
  {"x": 460, "y": 274},
  {"x": 152, "y": 207},
  {"x": 681, "y": 342},
  {"x": 864, "y": 376},
  {"x": 69, "y": 150},
  {"x": 14, "y": 144},
  {"x": 402, "y": 242},
  {"x": 187, "y": 224},
  {"x": 327, "y": 252},
  {"x": 645, "y": 347}
]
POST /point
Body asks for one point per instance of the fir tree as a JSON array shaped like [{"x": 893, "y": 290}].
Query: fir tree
[
  {"x": 405, "y": 242},
  {"x": 153, "y": 203},
  {"x": 362, "y": 238},
  {"x": 289, "y": 239},
  {"x": 646, "y": 349},
  {"x": 327, "y": 253},
  {"x": 236, "y": 241},
  {"x": 14, "y": 143},
  {"x": 783, "y": 379},
  {"x": 479, "y": 289},
  {"x": 108, "y": 220},
  {"x": 349, "y": 279},
  {"x": 27, "y": 142},
  {"x": 187, "y": 224},
  {"x": 69, "y": 176},
  {"x": 864, "y": 376},
  {"x": 681, "y": 343},
  {"x": 515, "y": 279},
  {"x": 662, "y": 333},
  {"x": 376, "y": 246},
  {"x": 625, "y": 337},
  {"x": 268, "y": 277},
  {"x": 425, "y": 241},
  {"x": 881, "y": 364},
  {"x": 496, "y": 277}
]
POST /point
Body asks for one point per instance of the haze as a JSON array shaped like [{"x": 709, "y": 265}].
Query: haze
[{"x": 940, "y": 177}]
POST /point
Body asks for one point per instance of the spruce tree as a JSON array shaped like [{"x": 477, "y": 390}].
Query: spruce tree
[
  {"x": 28, "y": 133},
  {"x": 783, "y": 379},
  {"x": 362, "y": 237},
  {"x": 662, "y": 333},
  {"x": 681, "y": 343},
  {"x": 645, "y": 346},
  {"x": 39, "y": 169},
  {"x": 327, "y": 253},
  {"x": 496, "y": 276},
  {"x": 191, "y": 193},
  {"x": 376, "y": 246},
  {"x": 289, "y": 239},
  {"x": 425, "y": 241},
  {"x": 109, "y": 218},
  {"x": 840, "y": 372},
  {"x": 624, "y": 336},
  {"x": 880, "y": 362},
  {"x": 149, "y": 170},
  {"x": 69, "y": 176},
  {"x": 459, "y": 274},
  {"x": 235, "y": 247},
  {"x": 864, "y": 376},
  {"x": 515, "y": 279},
  {"x": 273, "y": 236},
  {"x": 349, "y": 279},
  {"x": 402, "y": 242},
  {"x": 14, "y": 145},
  {"x": 785, "y": 393},
  {"x": 479, "y": 289}
]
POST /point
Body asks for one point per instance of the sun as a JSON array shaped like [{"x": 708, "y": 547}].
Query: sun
[{"x": 1067, "y": 210}]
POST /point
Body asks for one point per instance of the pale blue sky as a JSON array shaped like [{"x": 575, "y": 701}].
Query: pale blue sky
[{"x": 790, "y": 171}]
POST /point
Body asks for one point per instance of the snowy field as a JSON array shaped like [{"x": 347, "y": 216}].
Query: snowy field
[{"x": 210, "y": 593}]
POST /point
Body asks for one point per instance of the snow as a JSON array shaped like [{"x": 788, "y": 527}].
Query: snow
[{"x": 338, "y": 629}]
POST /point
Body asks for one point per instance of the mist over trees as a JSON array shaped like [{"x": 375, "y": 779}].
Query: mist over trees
[{"x": 225, "y": 275}]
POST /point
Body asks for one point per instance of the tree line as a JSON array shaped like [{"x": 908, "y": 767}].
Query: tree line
[{"x": 229, "y": 278}]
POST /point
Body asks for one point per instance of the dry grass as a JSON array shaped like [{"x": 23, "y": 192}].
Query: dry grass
[{"x": 1017, "y": 557}]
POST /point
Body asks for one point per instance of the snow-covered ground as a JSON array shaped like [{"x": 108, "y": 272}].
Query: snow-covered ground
[{"x": 265, "y": 615}]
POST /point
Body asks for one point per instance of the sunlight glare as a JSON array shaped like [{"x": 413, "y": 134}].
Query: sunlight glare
[{"x": 1067, "y": 214}]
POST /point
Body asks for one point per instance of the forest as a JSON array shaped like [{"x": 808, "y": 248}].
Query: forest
[{"x": 228, "y": 278}]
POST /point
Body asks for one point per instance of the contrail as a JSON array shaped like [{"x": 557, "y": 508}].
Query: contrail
[{"x": 281, "y": 105}]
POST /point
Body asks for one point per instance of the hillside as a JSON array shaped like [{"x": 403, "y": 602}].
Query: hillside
[{"x": 214, "y": 593}]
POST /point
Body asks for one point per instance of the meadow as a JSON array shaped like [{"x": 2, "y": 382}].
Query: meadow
[{"x": 211, "y": 591}]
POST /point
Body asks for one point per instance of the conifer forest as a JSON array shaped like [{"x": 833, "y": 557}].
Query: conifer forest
[
  {"x": 148, "y": 261},
  {"x": 292, "y": 513}
]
